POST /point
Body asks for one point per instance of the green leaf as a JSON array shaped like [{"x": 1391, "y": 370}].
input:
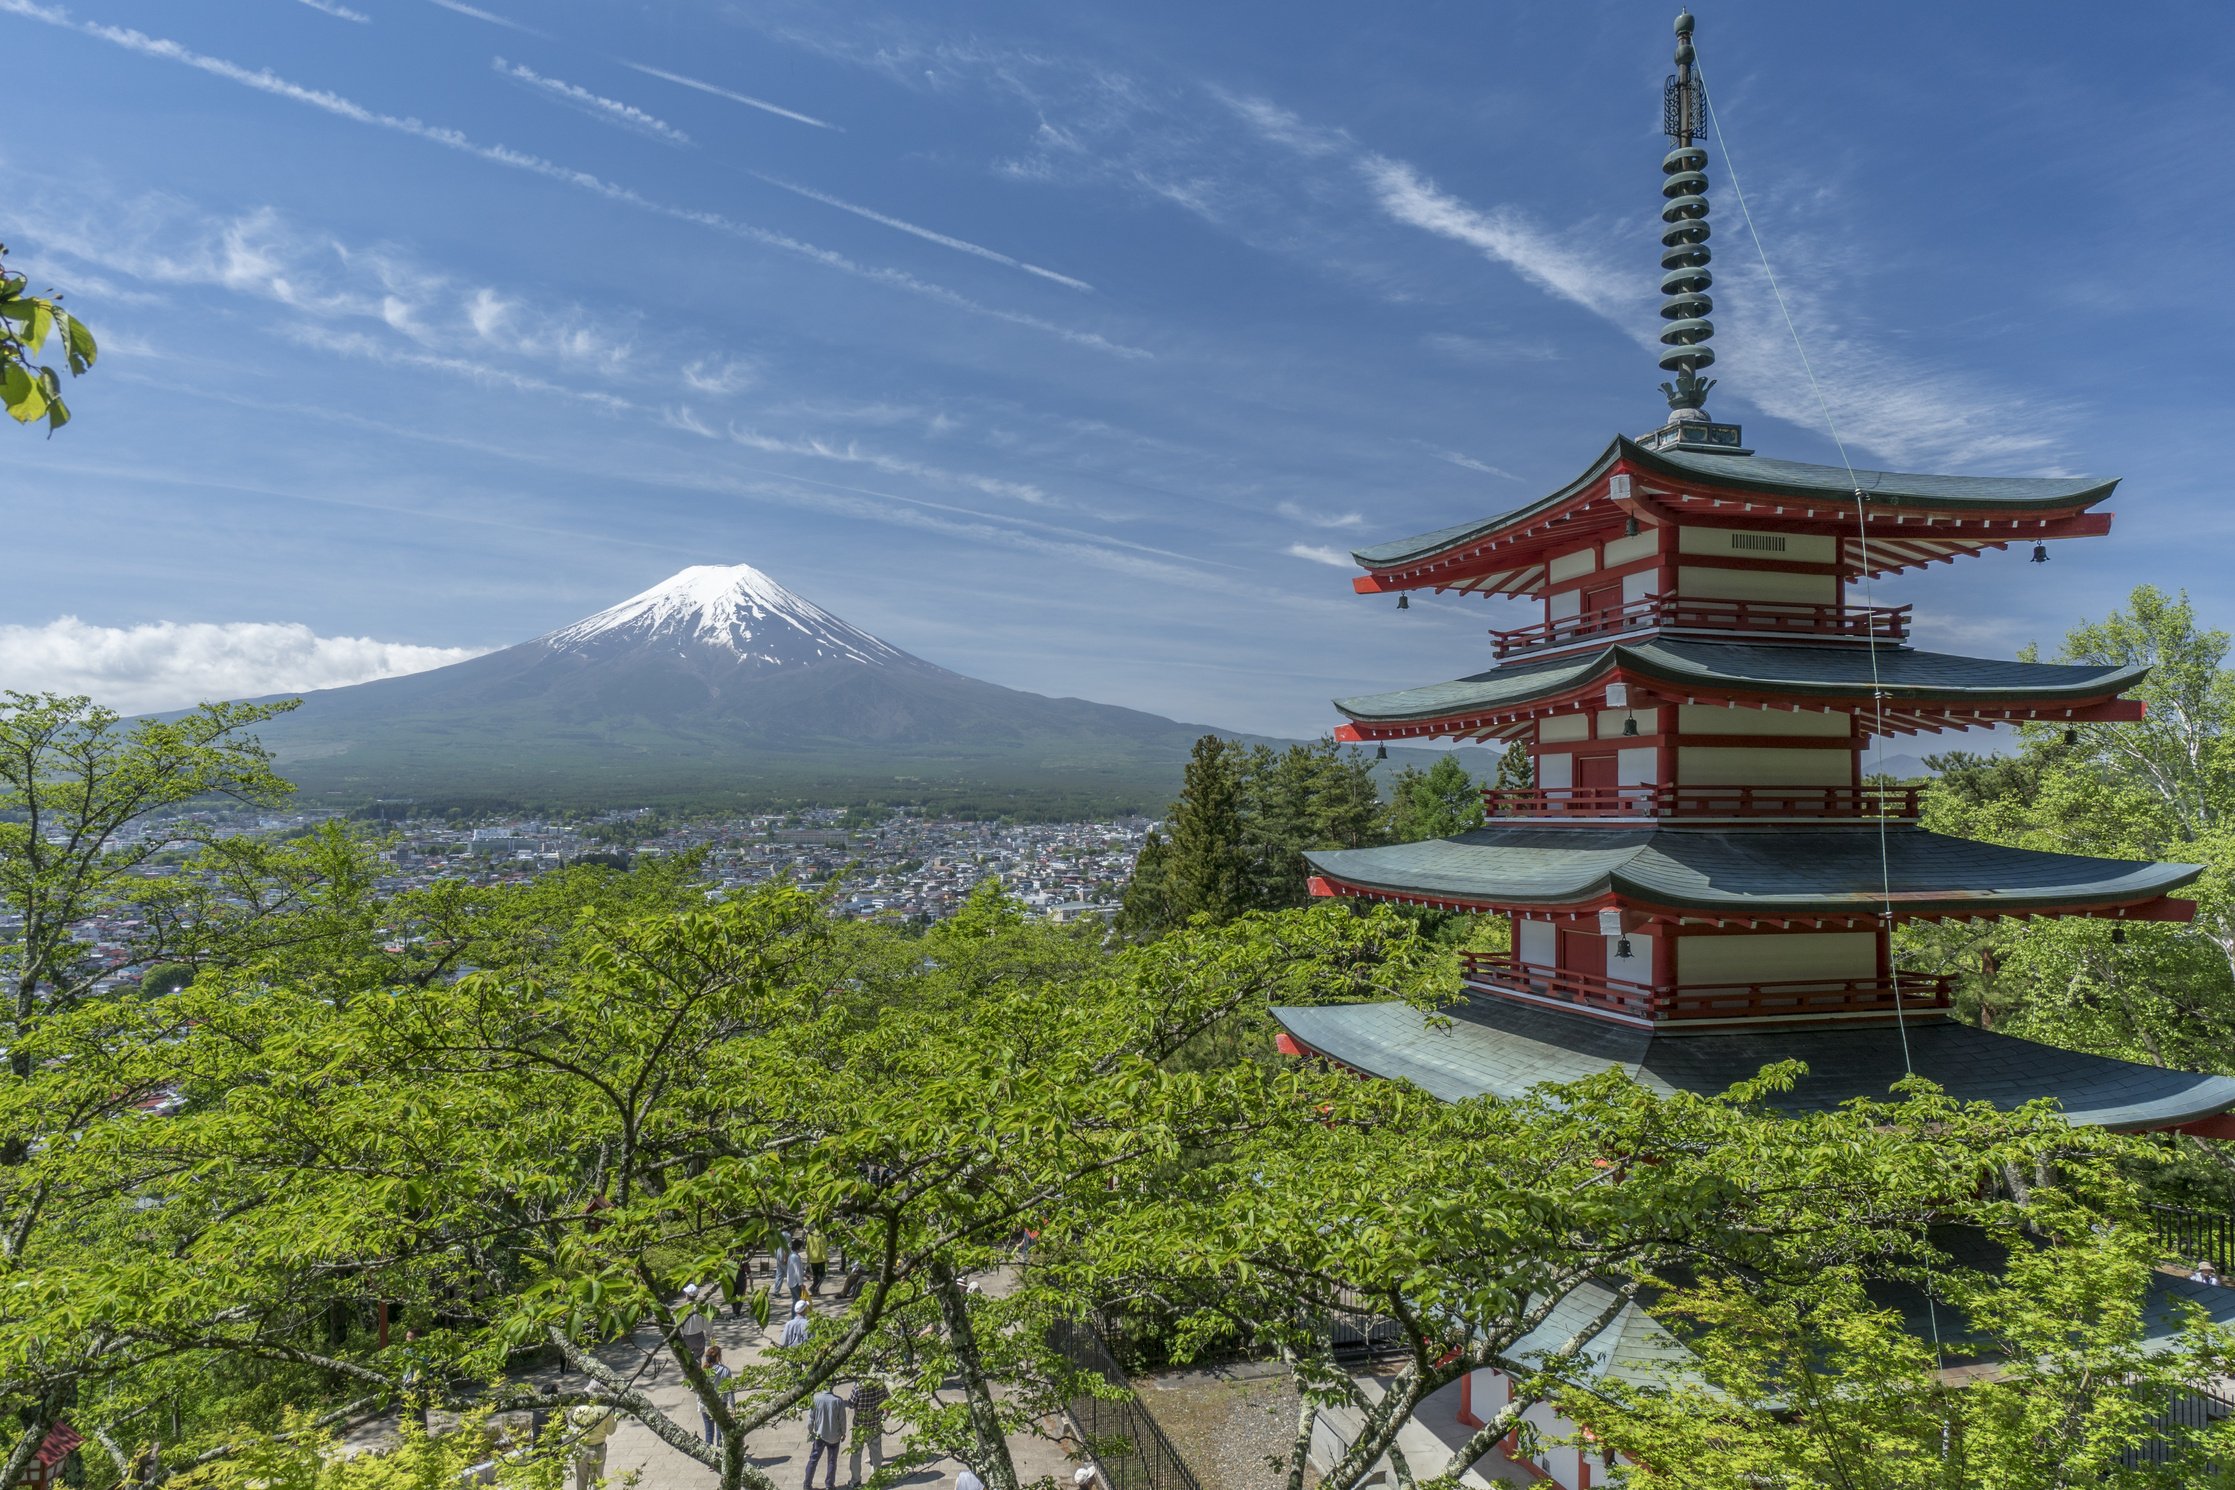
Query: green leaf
[
  {"x": 78, "y": 341},
  {"x": 21, "y": 392},
  {"x": 58, "y": 414}
]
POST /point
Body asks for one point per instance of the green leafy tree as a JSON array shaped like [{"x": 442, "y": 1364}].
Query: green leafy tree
[
  {"x": 2160, "y": 788},
  {"x": 28, "y": 388},
  {"x": 1235, "y": 838},
  {"x": 83, "y": 798},
  {"x": 1440, "y": 802}
]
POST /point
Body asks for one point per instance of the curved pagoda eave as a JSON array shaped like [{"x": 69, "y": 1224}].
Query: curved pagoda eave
[
  {"x": 1898, "y": 502},
  {"x": 1751, "y": 874},
  {"x": 1929, "y": 682},
  {"x": 1497, "y": 1048}
]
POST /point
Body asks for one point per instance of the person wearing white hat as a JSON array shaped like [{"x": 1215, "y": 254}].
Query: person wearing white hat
[
  {"x": 693, "y": 1331},
  {"x": 795, "y": 1328},
  {"x": 1083, "y": 1477}
]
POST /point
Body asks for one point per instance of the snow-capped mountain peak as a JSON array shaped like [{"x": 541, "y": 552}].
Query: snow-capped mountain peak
[{"x": 727, "y": 608}]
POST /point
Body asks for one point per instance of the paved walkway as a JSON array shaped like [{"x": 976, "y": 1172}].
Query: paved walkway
[{"x": 779, "y": 1451}]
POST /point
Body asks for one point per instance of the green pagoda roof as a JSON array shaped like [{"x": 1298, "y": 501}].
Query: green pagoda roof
[
  {"x": 1778, "y": 870},
  {"x": 1786, "y": 478},
  {"x": 1489, "y": 1046},
  {"x": 1835, "y": 671}
]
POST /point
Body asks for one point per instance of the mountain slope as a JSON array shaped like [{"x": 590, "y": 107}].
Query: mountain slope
[{"x": 718, "y": 684}]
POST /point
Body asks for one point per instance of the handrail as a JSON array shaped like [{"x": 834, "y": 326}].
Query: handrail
[
  {"x": 1679, "y": 612},
  {"x": 1671, "y": 799},
  {"x": 1677, "y": 1003}
]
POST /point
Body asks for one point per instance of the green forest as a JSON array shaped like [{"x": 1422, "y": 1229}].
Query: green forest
[{"x": 355, "y": 1154}]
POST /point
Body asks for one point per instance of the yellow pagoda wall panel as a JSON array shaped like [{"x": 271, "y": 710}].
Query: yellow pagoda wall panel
[
  {"x": 1737, "y": 765},
  {"x": 1699, "y": 582},
  {"x": 1640, "y": 586},
  {"x": 1568, "y": 566},
  {"x": 1718, "y": 719},
  {"x": 1798, "y": 548},
  {"x": 1564, "y": 727},
  {"x": 1563, "y": 605},
  {"x": 1622, "y": 550},
  {"x": 1555, "y": 768},
  {"x": 1638, "y": 767},
  {"x": 1776, "y": 957}
]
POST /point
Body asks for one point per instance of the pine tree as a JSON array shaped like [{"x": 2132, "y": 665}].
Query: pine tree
[
  {"x": 1202, "y": 867},
  {"x": 1439, "y": 802}
]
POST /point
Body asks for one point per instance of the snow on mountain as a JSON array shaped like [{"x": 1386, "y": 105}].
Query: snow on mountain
[{"x": 733, "y": 608}]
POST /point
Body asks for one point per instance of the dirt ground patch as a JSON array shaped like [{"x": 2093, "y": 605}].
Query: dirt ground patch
[{"x": 1229, "y": 1424}]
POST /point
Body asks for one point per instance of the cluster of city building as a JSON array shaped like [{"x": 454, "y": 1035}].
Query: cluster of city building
[{"x": 895, "y": 866}]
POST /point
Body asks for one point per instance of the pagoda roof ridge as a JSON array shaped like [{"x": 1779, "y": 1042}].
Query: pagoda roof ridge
[
  {"x": 1777, "y": 668},
  {"x": 1487, "y": 1046},
  {"x": 1769, "y": 477},
  {"x": 1802, "y": 869}
]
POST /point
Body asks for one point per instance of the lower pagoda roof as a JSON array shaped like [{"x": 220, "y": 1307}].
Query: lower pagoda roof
[
  {"x": 1933, "y": 686},
  {"x": 1751, "y": 873},
  {"x": 1491, "y": 1047}
]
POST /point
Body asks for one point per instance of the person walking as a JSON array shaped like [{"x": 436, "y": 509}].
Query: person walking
[
  {"x": 740, "y": 1284},
  {"x": 869, "y": 1428},
  {"x": 826, "y": 1434},
  {"x": 719, "y": 1374},
  {"x": 966, "y": 1478},
  {"x": 591, "y": 1425},
  {"x": 795, "y": 1269},
  {"x": 795, "y": 1328},
  {"x": 693, "y": 1330},
  {"x": 818, "y": 1261}
]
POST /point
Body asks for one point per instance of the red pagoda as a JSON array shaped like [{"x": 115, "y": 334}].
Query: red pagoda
[{"x": 1701, "y": 880}]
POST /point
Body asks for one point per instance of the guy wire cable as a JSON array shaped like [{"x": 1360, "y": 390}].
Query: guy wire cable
[{"x": 1870, "y": 632}]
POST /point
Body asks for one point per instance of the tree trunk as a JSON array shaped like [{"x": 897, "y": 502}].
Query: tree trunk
[{"x": 994, "y": 1465}]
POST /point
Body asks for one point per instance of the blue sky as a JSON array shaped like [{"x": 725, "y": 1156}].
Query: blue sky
[{"x": 1063, "y": 345}]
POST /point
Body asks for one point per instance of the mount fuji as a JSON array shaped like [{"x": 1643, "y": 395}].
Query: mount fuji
[{"x": 721, "y": 685}]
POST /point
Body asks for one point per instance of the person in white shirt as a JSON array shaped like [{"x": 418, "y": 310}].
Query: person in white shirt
[
  {"x": 967, "y": 1479},
  {"x": 795, "y": 1328}
]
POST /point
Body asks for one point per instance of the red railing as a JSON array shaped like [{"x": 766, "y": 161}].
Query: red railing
[
  {"x": 1919, "y": 992},
  {"x": 1775, "y": 617},
  {"x": 1674, "y": 800}
]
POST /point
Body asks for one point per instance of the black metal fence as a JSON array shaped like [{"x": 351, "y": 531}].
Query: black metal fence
[
  {"x": 2197, "y": 1236},
  {"x": 1356, "y": 1333},
  {"x": 1124, "y": 1441},
  {"x": 2191, "y": 1412}
]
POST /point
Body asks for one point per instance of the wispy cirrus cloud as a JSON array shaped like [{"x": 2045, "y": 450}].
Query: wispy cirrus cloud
[
  {"x": 1296, "y": 512},
  {"x": 339, "y": 12},
  {"x": 1465, "y": 461},
  {"x": 176, "y": 665},
  {"x": 458, "y": 7},
  {"x": 1320, "y": 553},
  {"x": 929, "y": 235},
  {"x": 596, "y": 105},
  {"x": 263, "y": 80},
  {"x": 731, "y": 94},
  {"x": 1881, "y": 399},
  {"x": 850, "y": 452}
]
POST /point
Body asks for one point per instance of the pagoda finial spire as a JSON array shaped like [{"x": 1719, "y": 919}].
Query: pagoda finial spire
[{"x": 1684, "y": 252}]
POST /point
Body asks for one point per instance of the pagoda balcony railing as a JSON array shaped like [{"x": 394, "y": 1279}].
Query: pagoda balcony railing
[
  {"x": 1673, "y": 800},
  {"x": 1676, "y": 612},
  {"x": 1684, "y": 1002}
]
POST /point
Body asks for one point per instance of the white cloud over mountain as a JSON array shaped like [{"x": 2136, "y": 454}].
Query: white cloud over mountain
[{"x": 174, "y": 665}]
